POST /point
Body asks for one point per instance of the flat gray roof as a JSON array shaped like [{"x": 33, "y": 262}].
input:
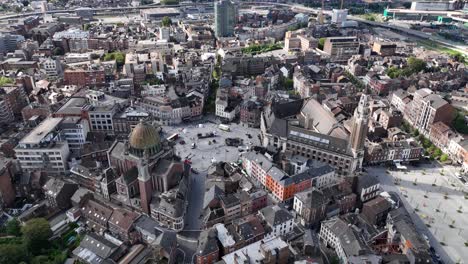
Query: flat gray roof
[{"x": 41, "y": 131}]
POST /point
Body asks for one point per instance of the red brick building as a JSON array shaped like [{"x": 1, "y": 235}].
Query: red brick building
[
  {"x": 208, "y": 250},
  {"x": 15, "y": 98},
  {"x": 7, "y": 192},
  {"x": 92, "y": 76},
  {"x": 440, "y": 134},
  {"x": 35, "y": 109}
]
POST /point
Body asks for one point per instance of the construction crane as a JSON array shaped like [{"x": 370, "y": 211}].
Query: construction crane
[{"x": 321, "y": 17}]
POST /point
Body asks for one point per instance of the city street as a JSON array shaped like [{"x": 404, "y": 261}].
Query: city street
[{"x": 437, "y": 204}]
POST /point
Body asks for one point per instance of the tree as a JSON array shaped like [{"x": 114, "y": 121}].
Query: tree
[
  {"x": 12, "y": 253},
  {"x": 58, "y": 51},
  {"x": 438, "y": 152},
  {"x": 5, "y": 80},
  {"x": 146, "y": 2},
  {"x": 13, "y": 227},
  {"x": 119, "y": 57},
  {"x": 321, "y": 43},
  {"x": 457, "y": 56},
  {"x": 288, "y": 83},
  {"x": 86, "y": 27},
  {"x": 459, "y": 123},
  {"x": 169, "y": 2},
  {"x": 166, "y": 21},
  {"x": 416, "y": 65},
  {"x": 36, "y": 234},
  {"x": 444, "y": 157}
]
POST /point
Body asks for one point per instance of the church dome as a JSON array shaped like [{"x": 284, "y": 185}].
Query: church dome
[{"x": 144, "y": 137}]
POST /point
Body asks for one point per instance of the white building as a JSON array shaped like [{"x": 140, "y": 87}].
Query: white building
[
  {"x": 164, "y": 33},
  {"x": 458, "y": 151},
  {"x": 263, "y": 251},
  {"x": 256, "y": 166},
  {"x": 224, "y": 110},
  {"x": 43, "y": 149},
  {"x": 339, "y": 16},
  {"x": 51, "y": 67},
  {"x": 153, "y": 90},
  {"x": 349, "y": 246},
  {"x": 77, "y": 57},
  {"x": 103, "y": 109},
  {"x": 280, "y": 221},
  {"x": 226, "y": 239},
  {"x": 72, "y": 33},
  {"x": 399, "y": 100},
  {"x": 74, "y": 130}
]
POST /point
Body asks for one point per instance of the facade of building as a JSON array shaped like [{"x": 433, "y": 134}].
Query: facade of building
[
  {"x": 393, "y": 151},
  {"x": 208, "y": 249},
  {"x": 43, "y": 149},
  {"x": 440, "y": 135},
  {"x": 6, "y": 113},
  {"x": 51, "y": 67},
  {"x": 346, "y": 242},
  {"x": 384, "y": 49},
  {"x": 102, "y": 110},
  {"x": 310, "y": 206},
  {"x": 9, "y": 42},
  {"x": 278, "y": 220},
  {"x": 7, "y": 190},
  {"x": 58, "y": 193},
  {"x": 74, "y": 130},
  {"x": 341, "y": 48},
  {"x": 282, "y": 185},
  {"x": 317, "y": 138},
  {"x": 225, "y": 18},
  {"x": 14, "y": 99},
  {"x": 92, "y": 76},
  {"x": 268, "y": 250},
  {"x": 339, "y": 16},
  {"x": 426, "y": 109},
  {"x": 250, "y": 112}
]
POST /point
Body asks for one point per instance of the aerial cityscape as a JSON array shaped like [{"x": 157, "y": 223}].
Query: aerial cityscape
[{"x": 233, "y": 132}]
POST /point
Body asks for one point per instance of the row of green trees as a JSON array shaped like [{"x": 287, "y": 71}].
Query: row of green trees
[
  {"x": 414, "y": 65},
  {"x": 459, "y": 123},
  {"x": 257, "y": 49},
  {"x": 30, "y": 243},
  {"x": 430, "y": 149},
  {"x": 118, "y": 56}
]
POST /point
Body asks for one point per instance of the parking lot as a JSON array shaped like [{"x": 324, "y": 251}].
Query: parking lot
[
  {"x": 437, "y": 204},
  {"x": 205, "y": 152}
]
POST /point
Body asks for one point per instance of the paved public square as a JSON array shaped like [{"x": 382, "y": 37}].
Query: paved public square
[
  {"x": 436, "y": 201},
  {"x": 205, "y": 153},
  {"x": 202, "y": 157}
]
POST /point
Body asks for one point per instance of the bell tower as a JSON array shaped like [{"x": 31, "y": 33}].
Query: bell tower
[
  {"x": 359, "y": 130},
  {"x": 145, "y": 184}
]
